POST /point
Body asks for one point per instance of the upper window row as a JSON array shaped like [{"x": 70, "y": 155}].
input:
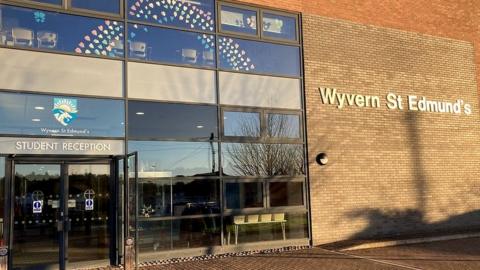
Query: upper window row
[
  {"x": 198, "y": 15},
  {"x": 106, "y": 6},
  {"x": 22, "y": 27}
]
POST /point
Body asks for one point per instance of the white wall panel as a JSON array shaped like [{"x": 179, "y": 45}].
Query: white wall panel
[
  {"x": 66, "y": 74},
  {"x": 259, "y": 91},
  {"x": 149, "y": 81}
]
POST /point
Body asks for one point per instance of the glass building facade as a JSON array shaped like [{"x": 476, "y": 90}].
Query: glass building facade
[{"x": 177, "y": 123}]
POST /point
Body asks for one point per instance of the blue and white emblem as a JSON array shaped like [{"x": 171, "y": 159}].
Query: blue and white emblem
[{"x": 65, "y": 110}]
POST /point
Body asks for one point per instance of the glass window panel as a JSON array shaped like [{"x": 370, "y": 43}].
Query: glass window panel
[
  {"x": 238, "y": 20},
  {"x": 154, "y": 195},
  {"x": 196, "y": 232},
  {"x": 109, "y": 6},
  {"x": 167, "y": 159},
  {"x": 22, "y": 27},
  {"x": 283, "y": 125},
  {"x": 171, "y": 46},
  {"x": 286, "y": 193},
  {"x": 159, "y": 197},
  {"x": 28, "y": 114},
  {"x": 54, "y": 2},
  {"x": 278, "y": 26},
  {"x": 245, "y": 124},
  {"x": 172, "y": 121},
  {"x": 153, "y": 235},
  {"x": 195, "y": 197},
  {"x": 190, "y": 14},
  {"x": 295, "y": 227},
  {"x": 244, "y": 195},
  {"x": 258, "y": 57},
  {"x": 253, "y": 159}
]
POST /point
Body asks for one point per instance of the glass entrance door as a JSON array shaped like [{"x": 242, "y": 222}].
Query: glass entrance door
[
  {"x": 62, "y": 215},
  {"x": 89, "y": 212},
  {"x": 36, "y": 214}
]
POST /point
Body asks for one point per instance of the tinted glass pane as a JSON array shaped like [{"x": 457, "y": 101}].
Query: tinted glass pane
[
  {"x": 283, "y": 125},
  {"x": 197, "y": 232},
  {"x": 55, "y": 2},
  {"x": 277, "y": 26},
  {"x": 110, "y": 6},
  {"x": 258, "y": 57},
  {"x": 172, "y": 121},
  {"x": 251, "y": 159},
  {"x": 177, "y": 197},
  {"x": 154, "y": 235},
  {"x": 61, "y": 32},
  {"x": 244, "y": 195},
  {"x": 167, "y": 159},
  {"x": 241, "y": 124},
  {"x": 195, "y": 197},
  {"x": 198, "y": 14},
  {"x": 286, "y": 193},
  {"x": 171, "y": 46},
  {"x": 59, "y": 115},
  {"x": 239, "y": 20}
]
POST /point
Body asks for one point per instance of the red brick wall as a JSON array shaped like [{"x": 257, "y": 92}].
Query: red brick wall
[{"x": 457, "y": 19}]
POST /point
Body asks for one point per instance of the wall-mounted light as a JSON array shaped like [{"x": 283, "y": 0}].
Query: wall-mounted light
[
  {"x": 322, "y": 159},
  {"x": 139, "y": 113}
]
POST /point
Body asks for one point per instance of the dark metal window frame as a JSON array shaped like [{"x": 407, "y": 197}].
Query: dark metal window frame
[
  {"x": 263, "y": 138},
  {"x": 247, "y": 8},
  {"x": 123, "y": 18},
  {"x": 66, "y": 5},
  {"x": 280, "y": 13}
]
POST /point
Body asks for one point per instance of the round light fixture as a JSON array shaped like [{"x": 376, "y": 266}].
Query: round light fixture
[{"x": 322, "y": 159}]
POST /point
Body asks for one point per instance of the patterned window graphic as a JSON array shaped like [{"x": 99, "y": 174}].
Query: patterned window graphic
[
  {"x": 198, "y": 14},
  {"x": 22, "y": 27}
]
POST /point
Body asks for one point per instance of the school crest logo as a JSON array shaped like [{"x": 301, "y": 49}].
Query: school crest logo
[{"x": 64, "y": 110}]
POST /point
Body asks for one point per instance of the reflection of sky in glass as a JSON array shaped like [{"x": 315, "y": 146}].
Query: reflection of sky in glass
[
  {"x": 259, "y": 57},
  {"x": 176, "y": 158},
  {"x": 241, "y": 124},
  {"x": 171, "y": 46},
  {"x": 31, "y": 114},
  {"x": 277, "y": 26},
  {"x": 111, "y": 6},
  {"x": 38, "y": 171},
  {"x": 283, "y": 125},
  {"x": 61, "y": 32},
  {"x": 155, "y": 120}
]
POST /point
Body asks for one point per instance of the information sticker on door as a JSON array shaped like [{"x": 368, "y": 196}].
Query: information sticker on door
[
  {"x": 89, "y": 204},
  {"x": 37, "y": 207}
]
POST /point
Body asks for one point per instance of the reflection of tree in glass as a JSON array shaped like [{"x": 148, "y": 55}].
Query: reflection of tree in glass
[
  {"x": 266, "y": 159},
  {"x": 282, "y": 126}
]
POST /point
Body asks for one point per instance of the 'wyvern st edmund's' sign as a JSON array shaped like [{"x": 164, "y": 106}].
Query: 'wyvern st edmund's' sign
[
  {"x": 394, "y": 102},
  {"x": 58, "y": 146}
]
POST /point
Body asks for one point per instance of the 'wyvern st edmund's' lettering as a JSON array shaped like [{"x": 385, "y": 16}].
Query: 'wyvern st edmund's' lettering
[{"x": 331, "y": 96}]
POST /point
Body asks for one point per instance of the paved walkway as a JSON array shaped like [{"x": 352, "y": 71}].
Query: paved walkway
[{"x": 447, "y": 255}]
